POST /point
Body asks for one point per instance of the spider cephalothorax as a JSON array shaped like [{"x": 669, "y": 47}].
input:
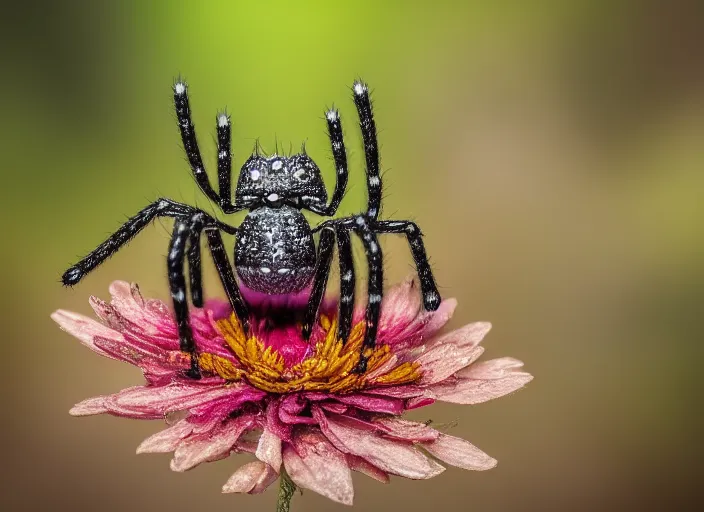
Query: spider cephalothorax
[{"x": 275, "y": 252}]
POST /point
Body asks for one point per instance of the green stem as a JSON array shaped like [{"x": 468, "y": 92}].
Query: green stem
[{"x": 286, "y": 490}]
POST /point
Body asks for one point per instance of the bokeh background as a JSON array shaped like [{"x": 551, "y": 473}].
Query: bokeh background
[{"x": 551, "y": 151}]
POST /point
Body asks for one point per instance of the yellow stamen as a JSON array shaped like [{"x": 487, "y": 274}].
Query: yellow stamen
[{"x": 330, "y": 368}]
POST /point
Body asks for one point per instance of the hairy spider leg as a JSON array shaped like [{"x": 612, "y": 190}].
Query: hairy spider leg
[
  {"x": 360, "y": 93},
  {"x": 320, "y": 280},
  {"x": 177, "y": 285},
  {"x": 190, "y": 145},
  {"x": 193, "y": 256},
  {"x": 428, "y": 288},
  {"x": 339, "y": 155},
  {"x": 375, "y": 286},
  {"x": 347, "y": 284},
  {"x": 135, "y": 224},
  {"x": 224, "y": 134}
]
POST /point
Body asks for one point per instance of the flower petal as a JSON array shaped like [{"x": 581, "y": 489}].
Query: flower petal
[
  {"x": 313, "y": 463},
  {"x": 86, "y": 329},
  {"x": 468, "y": 336},
  {"x": 212, "y": 447},
  {"x": 269, "y": 449},
  {"x": 252, "y": 478},
  {"x": 492, "y": 369},
  {"x": 460, "y": 453},
  {"x": 95, "y": 405},
  {"x": 166, "y": 440},
  {"x": 364, "y": 466},
  {"x": 405, "y": 430},
  {"x": 388, "y": 455},
  {"x": 175, "y": 396},
  {"x": 475, "y": 391},
  {"x": 443, "y": 360}
]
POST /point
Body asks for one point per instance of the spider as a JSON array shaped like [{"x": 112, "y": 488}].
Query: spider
[{"x": 274, "y": 252}]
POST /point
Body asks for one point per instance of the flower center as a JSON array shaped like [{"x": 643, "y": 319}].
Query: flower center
[{"x": 329, "y": 368}]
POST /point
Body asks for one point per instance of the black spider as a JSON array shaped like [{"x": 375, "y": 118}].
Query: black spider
[{"x": 275, "y": 252}]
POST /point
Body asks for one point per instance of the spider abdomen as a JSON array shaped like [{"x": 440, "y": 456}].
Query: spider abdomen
[{"x": 275, "y": 252}]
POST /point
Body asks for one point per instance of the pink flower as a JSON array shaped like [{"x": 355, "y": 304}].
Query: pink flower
[{"x": 291, "y": 403}]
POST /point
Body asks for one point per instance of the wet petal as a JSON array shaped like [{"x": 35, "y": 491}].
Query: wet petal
[
  {"x": 442, "y": 361},
  {"x": 175, "y": 396},
  {"x": 388, "y": 455},
  {"x": 211, "y": 447},
  {"x": 269, "y": 449},
  {"x": 86, "y": 329},
  {"x": 405, "y": 430},
  {"x": 460, "y": 453},
  {"x": 492, "y": 369},
  {"x": 95, "y": 405},
  {"x": 363, "y": 466},
  {"x": 166, "y": 440},
  {"x": 313, "y": 463},
  {"x": 252, "y": 478},
  {"x": 468, "y": 336},
  {"x": 471, "y": 391}
]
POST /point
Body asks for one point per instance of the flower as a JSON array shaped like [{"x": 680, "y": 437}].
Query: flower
[{"x": 294, "y": 404}]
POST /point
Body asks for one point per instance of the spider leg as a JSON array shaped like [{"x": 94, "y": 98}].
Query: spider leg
[
  {"x": 339, "y": 155},
  {"x": 193, "y": 254},
  {"x": 363, "y": 103},
  {"x": 159, "y": 208},
  {"x": 374, "y": 287},
  {"x": 320, "y": 281},
  {"x": 431, "y": 296},
  {"x": 177, "y": 284},
  {"x": 227, "y": 276},
  {"x": 347, "y": 284},
  {"x": 190, "y": 145}
]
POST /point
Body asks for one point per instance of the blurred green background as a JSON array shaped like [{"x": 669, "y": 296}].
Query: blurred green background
[{"x": 552, "y": 152}]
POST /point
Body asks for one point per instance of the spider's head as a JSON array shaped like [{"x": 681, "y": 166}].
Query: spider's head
[{"x": 277, "y": 180}]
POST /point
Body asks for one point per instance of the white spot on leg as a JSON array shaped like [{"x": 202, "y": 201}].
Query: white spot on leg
[
  {"x": 347, "y": 276},
  {"x": 222, "y": 154},
  {"x": 346, "y": 299},
  {"x": 359, "y": 88},
  {"x": 179, "y": 296},
  {"x": 331, "y": 115},
  {"x": 374, "y": 181},
  {"x": 223, "y": 120},
  {"x": 432, "y": 297},
  {"x": 374, "y": 298},
  {"x": 372, "y": 212},
  {"x": 360, "y": 221},
  {"x": 373, "y": 247},
  {"x": 180, "y": 88}
]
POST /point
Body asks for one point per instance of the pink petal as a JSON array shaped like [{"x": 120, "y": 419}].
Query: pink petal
[
  {"x": 166, "y": 440},
  {"x": 313, "y": 463},
  {"x": 388, "y": 455},
  {"x": 442, "y": 361},
  {"x": 213, "y": 447},
  {"x": 404, "y": 391},
  {"x": 363, "y": 466},
  {"x": 175, "y": 396},
  {"x": 95, "y": 405},
  {"x": 269, "y": 449},
  {"x": 252, "y": 478},
  {"x": 470, "y": 391},
  {"x": 362, "y": 401},
  {"x": 405, "y": 430},
  {"x": 460, "y": 453},
  {"x": 492, "y": 369},
  {"x": 86, "y": 329},
  {"x": 468, "y": 336}
]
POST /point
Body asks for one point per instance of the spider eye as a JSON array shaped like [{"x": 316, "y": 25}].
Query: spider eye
[{"x": 301, "y": 175}]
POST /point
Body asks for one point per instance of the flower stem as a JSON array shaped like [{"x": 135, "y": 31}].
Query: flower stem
[{"x": 286, "y": 490}]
